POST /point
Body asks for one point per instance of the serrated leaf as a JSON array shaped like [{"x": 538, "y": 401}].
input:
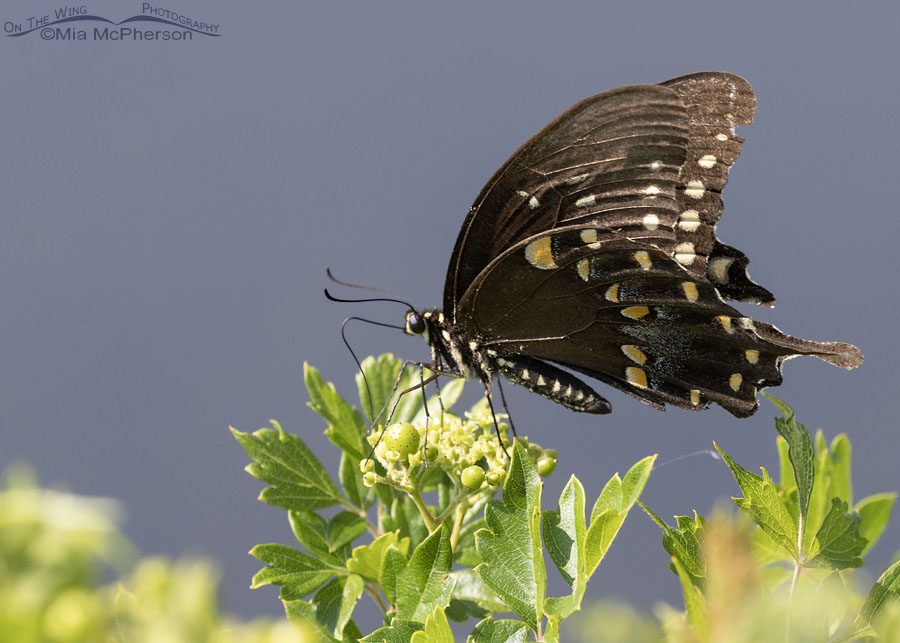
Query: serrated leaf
[
  {"x": 505, "y": 631},
  {"x": 510, "y": 546},
  {"x": 368, "y": 560},
  {"x": 335, "y": 602},
  {"x": 800, "y": 453},
  {"x": 380, "y": 374},
  {"x": 393, "y": 565},
  {"x": 426, "y": 582},
  {"x": 437, "y": 629},
  {"x": 400, "y": 631},
  {"x": 610, "y": 510},
  {"x": 297, "y": 478},
  {"x": 820, "y": 501},
  {"x": 311, "y": 531},
  {"x": 682, "y": 542},
  {"x": 874, "y": 513},
  {"x": 346, "y": 428},
  {"x": 564, "y": 531},
  {"x": 303, "y": 614},
  {"x": 838, "y": 544},
  {"x": 886, "y": 589},
  {"x": 694, "y": 602},
  {"x": 763, "y": 504},
  {"x": 293, "y": 571}
]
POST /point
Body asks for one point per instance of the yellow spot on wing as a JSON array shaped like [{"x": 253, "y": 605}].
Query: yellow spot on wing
[
  {"x": 583, "y": 268},
  {"x": 752, "y": 356},
  {"x": 540, "y": 254},
  {"x": 634, "y": 354},
  {"x": 636, "y": 312},
  {"x": 643, "y": 258},
  {"x": 725, "y": 320},
  {"x": 612, "y": 293},
  {"x": 690, "y": 291},
  {"x": 636, "y": 377},
  {"x": 735, "y": 382},
  {"x": 695, "y": 397}
]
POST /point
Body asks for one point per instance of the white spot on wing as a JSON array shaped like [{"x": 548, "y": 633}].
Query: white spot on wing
[
  {"x": 589, "y": 235},
  {"x": 707, "y": 161},
  {"x": 576, "y": 179},
  {"x": 685, "y": 254},
  {"x": 689, "y": 220},
  {"x": 695, "y": 189},
  {"x": 651, "y": 222},
  {"x": 651, "y": 190},
  {"x": 722, "y": 137},
  {"x": 586, "y": 200},
  {"x": 533, "y": 202},
  {"x": 718, "y": 269}
]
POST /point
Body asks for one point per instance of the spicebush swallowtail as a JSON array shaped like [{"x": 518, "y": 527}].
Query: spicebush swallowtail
[{"x": 593, "y": 249}]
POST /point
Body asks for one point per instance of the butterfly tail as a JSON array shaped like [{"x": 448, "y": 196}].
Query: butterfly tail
[{"x": 847, "y": 356}]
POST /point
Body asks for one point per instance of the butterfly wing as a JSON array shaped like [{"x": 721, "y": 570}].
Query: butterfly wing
[
  {"x": 626, "y": 312},
  {"x": 647, "y": 157}
]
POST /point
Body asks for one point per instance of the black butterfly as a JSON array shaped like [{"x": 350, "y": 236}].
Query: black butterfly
[{"x": 593, "y": 248}]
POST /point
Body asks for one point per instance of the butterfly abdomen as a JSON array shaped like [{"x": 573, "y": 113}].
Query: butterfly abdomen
[{"x": 553, "y": 383}]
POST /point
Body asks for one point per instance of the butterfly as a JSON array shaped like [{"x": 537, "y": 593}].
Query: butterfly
[{"x": 592, "y": 250}]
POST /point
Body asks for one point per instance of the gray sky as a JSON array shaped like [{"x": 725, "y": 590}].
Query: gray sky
[{"x": 169, "y": 208}]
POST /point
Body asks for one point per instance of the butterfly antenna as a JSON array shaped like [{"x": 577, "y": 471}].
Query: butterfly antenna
[{"x": 349, "y": 285}]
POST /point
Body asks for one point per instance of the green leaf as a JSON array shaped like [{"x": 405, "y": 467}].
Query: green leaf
[
  {"x": 335, "y": 602},
  {"x": 461, "y": 610},
  {"x": 350, "y": 477},
  {"x": 298, "y": 479},
  {"x": 510, "y": 546},
  {"x": 346, "y": 428},
  {"x": 694, "y": 602},
  {"x": 505, "y": 631},
  {"x": 303, "y": 614},
  {"x": 393, "y": 565},
  {"x": 763, "y": 504},
  {"x": 296, "y": 573},
  {"x": 820, "y": 501},
  {"x": 426, "y": 582},
  {"x": 470, "y": 587},
  {"x": 450, "y": 394},
  {"x": 800, "y": 453},
  {"x": 465, "y": 553},
  {"x": 682, "y": 542},
  {"x": 437, "y": 629},
  {"x": 400, "y": 631},
  {"x": 841, "y": 485},
  {"x": 886, "y": 589},
  {"x": 405, "y": 518},
  {"x": 380, "y": 374},
  {"x": 368, "y": 560},
  {"x": 564, "y": 531},
  {"x": 874, "y": 513},
  {"x": 838, "y": 544},
  {"x": 610, "y": 510}
]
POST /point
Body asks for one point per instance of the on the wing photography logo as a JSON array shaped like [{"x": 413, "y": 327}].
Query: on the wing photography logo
[{"x": 78, "y": 23}]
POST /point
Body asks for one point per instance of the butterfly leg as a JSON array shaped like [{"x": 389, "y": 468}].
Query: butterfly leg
[
  {"x": 506, "y": 408},
  {"x": 487, "y": 394}
]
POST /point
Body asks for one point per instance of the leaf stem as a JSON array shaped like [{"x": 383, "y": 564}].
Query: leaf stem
[
  {"x": 373, "y": 591},
  {"x": 430, "y": 522},
  {"x": 458, "y": 523}
]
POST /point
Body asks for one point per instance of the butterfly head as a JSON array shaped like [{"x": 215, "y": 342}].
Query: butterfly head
[{"x": 416, "y": 324}]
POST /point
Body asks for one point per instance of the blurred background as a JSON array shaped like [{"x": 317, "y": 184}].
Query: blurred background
[{"x": 169, "y": 209}]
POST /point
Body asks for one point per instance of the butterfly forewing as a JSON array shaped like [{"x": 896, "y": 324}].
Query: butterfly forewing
[{"x": 614, "y": 157}]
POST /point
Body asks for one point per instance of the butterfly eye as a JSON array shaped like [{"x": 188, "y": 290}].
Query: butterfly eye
[{"x": 415, "y": 324}]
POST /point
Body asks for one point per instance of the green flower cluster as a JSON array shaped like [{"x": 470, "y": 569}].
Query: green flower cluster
[{"x": 465, "y": 448}]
